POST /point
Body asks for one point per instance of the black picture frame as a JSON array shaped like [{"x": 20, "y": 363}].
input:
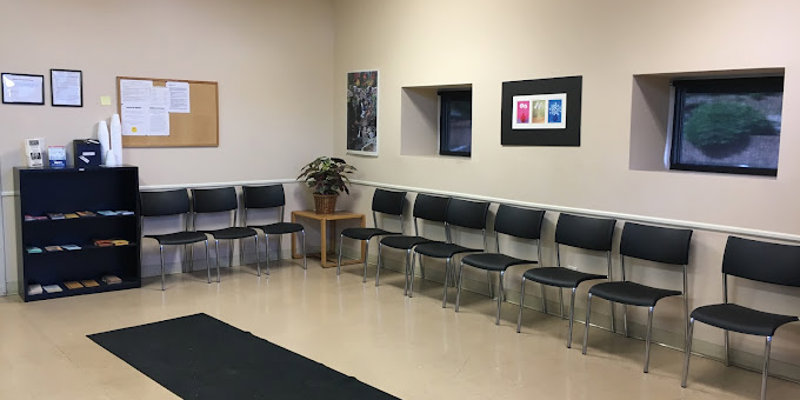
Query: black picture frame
[
  {"x": 570, "y": 135},
  {"x": 60, "y": 102},
  {"x": 7, "y": 77}
]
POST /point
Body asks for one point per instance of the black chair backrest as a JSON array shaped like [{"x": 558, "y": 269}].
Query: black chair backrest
[
  {"x": 170, "y": 202},
  {"x": 655, "y": 243},
  {"x": 467, "y": 214},
  {"x": 520, "y": 222},
  {"x": 214, "y": 200},
  {"x": 431, "y": 208},
  {"x": 263, "y": 196},
  {"x": 762, "y": 261},
  {"x": 584, "y": 232},
  {"x": 388, "y": 202}
]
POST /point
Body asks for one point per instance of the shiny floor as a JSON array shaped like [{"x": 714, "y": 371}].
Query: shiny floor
[{"x": 411, "y": 348}]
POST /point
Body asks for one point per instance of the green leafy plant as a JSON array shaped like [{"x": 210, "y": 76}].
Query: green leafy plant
[
  {"x": 327, "y": 175},
  {"x": 717, "y": 124}
]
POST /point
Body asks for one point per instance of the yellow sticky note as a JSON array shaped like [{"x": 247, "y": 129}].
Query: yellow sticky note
[{"x": 105, "y": 100}]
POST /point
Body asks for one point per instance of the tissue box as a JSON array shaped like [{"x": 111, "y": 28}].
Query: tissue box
[{"x": 87, "y": 153}]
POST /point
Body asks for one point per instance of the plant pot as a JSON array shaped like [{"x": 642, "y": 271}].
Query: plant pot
[{"x": 325, "y": 203}]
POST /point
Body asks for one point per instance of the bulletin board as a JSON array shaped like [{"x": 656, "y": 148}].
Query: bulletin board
[{"x": 198, "y": 128}]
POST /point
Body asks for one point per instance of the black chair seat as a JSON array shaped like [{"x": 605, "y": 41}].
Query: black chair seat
[
  {"x": 442, "y": 250},
  {"x": 560, "y": 276},
  {"x": 235, "y": 232},
  {"x": 734, "y": 317},
  {"x": 403, "y": 242},
  {"x": 631, "y": 293},
  {"x": 365, "y": 233},
  {"x": 280, "y": 228},
  {"x": 179, "y": 238},
  {"x": 493, "y": 261}
]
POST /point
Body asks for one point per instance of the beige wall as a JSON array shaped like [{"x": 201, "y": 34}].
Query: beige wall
[
  {"x": 483, "y": 43},
  {"x": 272, "y": 60}
]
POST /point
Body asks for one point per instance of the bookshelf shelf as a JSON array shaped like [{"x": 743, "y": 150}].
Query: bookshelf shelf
[{"x": 44, "y": 191}]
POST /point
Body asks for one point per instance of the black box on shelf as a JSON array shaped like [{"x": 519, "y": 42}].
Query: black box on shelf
[{"x": 86, "y": 153}]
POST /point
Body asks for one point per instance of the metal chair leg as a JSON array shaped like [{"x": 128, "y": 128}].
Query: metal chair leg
[
  {"x": 586, "y": 328},
  {"x": 521, "y": 304},
  {"x": 446, "y": 275},
  {"x": 161, "y": 252},
  {"x": 727, "y": 349},
  {"x": 339, "y": 259},
  {"x": 648, "y": 339},
  {"x": 561, "y": 301},
  {"x": 458, "y": 285},
  {"x": 378, "y": 272},
  {"x": 765, "y": 374},
  {"x": 366, "y": 257},
  {"x": 411, "y": 273},
  {"x": 216, "y": 251},
  {"x": 266, "y": 250},
  {"x": 499, "y": 297},
  {"x": 258, "y": 259},
  {"x": 687, "y": 353},
  {"x": 571, "y": 316},
  {"x": 305, "y": 259},
  {"x": 489, "y": 284},
  {"x": 207, "y": 264},
  {"x": 544, "y": 298},
  {"x": 625, "y": 319}
]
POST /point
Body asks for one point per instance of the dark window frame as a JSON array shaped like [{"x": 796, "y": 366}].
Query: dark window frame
[
  {"x": 445, "y": 98},
  {"x": 755, "y": 84}
]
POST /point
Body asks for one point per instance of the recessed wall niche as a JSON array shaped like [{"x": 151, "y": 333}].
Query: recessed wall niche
[
  {"x": 419, "y": 119},
  {"x": 651, "y": 107}
]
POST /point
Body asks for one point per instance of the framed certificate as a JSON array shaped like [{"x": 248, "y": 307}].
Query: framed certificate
[
  {"x": 22, "y": 88},
  {"x": 66, "y": 88}
]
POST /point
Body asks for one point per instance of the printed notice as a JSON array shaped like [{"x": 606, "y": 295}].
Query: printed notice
[
  {"x": 135, "y": 120},
  {"x": 66, "y": 87},
  {"x": 179, "y": 97},
  {"x": 159, "y": 116},
  {"x": 134, "y": 91}
]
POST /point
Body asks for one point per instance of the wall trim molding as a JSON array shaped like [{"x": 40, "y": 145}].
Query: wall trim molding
[{"x": 788, "y": 237}]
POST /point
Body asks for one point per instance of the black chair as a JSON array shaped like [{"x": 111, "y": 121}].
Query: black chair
[
  {"x": 460, "y": 213},
  {"x": 267, "y": 197},
  {"x": 652, "y": 243},
  {"x": 172, "y": 203},
  {"x": 579, "y": 232},
  {"x": 223, "y": 200},
  {"x": 773, "y": 263},
  {"x": 384, "y": 202},
  {"x": 517, "y": 222},
  {"x": 427, "y": 208}
]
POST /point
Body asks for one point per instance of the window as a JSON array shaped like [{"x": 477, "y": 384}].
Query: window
[
  {"x": 727, "y": 125},
  {"x": 455, "y": 123}
]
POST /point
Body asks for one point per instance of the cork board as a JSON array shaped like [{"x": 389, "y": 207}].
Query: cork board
[{"x": 199, "y": 128}]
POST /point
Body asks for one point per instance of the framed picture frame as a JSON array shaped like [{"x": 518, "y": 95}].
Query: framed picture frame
[
  {"x": 542, "y": 112},
  {"x": 22, "y": 88},
  {"x": 66, "y": 88},
  {"x": 362, "y": 113}
]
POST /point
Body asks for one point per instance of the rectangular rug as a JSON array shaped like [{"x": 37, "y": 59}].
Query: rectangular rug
[{"x": 200, "y": 357}]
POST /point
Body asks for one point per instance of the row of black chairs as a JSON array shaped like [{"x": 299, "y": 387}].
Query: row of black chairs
[
  {"x": 749, "y": 259},
  {"x": 219, "y": 200}
]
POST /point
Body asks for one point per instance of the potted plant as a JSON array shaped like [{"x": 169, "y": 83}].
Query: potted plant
[{"x": 327, "y": 177}]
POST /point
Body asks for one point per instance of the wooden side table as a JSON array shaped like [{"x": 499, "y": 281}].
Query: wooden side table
[{"x": 323, "y": 223}]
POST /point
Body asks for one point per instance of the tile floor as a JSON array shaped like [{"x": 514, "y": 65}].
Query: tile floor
[{"x": 411, "y": 348}]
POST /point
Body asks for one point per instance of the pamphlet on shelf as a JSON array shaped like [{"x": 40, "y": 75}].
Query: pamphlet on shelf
[
  {"x": 70, "y": 215},
  {"x": 35, "y": 217},
  {"x": 124, "y": 212},
  {"x": 111, "y": 279},
  {"x": 57, "y": 156},
  {"x": 34, "y": 288},
  {"x": 71, "y": 247},
  {"x": 84, "y": 214},
  {"x": 55, "y": 216},
  {"x": 34, "y": 152},
  {"x": 119, "y": 242},
  {"x": 103, "y": 243},
  {"x": 53, "y": 248},
  {"x": 33, "y": 250},
  {"x": 107, "y": 213},
  {"x": 73, "y": 285},
  {"x": 52, "y": 288},
  {"x": 90, "y": 283}
]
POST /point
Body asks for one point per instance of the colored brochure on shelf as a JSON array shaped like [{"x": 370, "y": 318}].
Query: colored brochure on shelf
[
  {"x": 34, "y": 288},
  {"x": 53, "y": 248},
  {"x": 90, "y": 283},
  {"x": 55, "y": 216},
  {"x": 124, "y": 212},
  {"x": 52, "y": 288},
  {"x": 70, "y": 247},
  {"x": 107, "y": 213},
  {"x": 70, "y": 215},
  {"x": 71, "y": 285},
  {"x": 33, "y": 250},
  {"x": 111, "y": 279},
  {"x": 84, "y": 214},
  {"x": 119, "y": 242}
]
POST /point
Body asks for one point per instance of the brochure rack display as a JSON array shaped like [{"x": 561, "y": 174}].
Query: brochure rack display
[{"x": 78, "y": 230}]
